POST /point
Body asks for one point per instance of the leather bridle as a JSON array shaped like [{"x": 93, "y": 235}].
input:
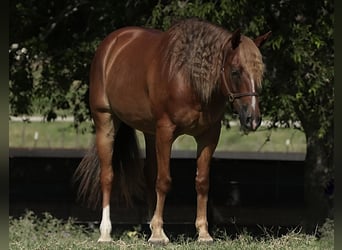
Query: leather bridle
[{"x": 232, "y": 96}]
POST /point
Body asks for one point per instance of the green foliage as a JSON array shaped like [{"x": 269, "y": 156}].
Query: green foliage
[
  {"x": 230, "y": 14},
  {"x": 20, "y": 94},
  {"x": 51, "y": 46},
  {"x": 304, "y": 75}
]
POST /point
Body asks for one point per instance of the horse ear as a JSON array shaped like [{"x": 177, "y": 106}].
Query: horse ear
[
  {"x": 236, "y": 38},
  {"x": 260, "y": 40}
]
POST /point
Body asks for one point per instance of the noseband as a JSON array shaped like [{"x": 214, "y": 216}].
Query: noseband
[{"x": 232, "y": 96}]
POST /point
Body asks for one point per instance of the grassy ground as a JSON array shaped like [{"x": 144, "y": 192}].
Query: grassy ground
[
  {"x": 47, "y": 135},
  {"x": 29, "y": 232},
  {"x": 63, "y": 135}
]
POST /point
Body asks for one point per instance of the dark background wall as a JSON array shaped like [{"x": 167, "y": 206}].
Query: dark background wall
[{"x": 246, "y": 189}]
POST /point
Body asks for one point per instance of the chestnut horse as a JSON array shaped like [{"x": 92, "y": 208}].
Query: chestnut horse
[{"x": 165, "y": 84}]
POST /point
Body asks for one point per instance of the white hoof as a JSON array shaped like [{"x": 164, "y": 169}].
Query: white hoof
[
  {"x": 105, "y": 239},
  {"x": 162, "y": 239},
  {"x": 205, "y": 239}
]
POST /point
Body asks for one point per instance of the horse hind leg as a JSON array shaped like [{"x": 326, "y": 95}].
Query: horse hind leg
[{"x": 105, "y": 132}]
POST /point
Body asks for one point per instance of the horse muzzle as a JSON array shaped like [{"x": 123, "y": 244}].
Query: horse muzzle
[{"x": 249, "y": 122}]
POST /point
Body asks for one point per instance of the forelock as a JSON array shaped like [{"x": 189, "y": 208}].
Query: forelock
[{"x": 251, "y": 60}]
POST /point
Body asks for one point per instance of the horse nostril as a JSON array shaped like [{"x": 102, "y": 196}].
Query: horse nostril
[
  {"x": 256, "y": 123},
  {"x": 249, "y": 121}
]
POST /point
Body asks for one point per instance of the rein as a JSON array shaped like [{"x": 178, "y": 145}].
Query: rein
[{"x": 232, "y": 96}]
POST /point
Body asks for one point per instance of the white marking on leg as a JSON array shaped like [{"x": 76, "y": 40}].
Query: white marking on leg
[
  {"x": 158, "y": 235},
  {"x": 105, "y": 226}
]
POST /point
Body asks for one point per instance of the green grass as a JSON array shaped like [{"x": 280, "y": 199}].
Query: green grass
[
  {"x": 50, "y": 135},
  {"x": 30, "y": 232},
  {"x": 263, "y": 140},
  {"x": 63, "y": 135}
]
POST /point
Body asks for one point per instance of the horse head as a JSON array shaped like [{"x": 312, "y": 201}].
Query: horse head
[{"x": 241, "y": 77}]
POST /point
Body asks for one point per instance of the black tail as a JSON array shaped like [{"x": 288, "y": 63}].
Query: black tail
[{"x": 128, "y": 180}]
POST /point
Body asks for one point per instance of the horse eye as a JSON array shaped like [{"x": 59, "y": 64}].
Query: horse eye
[{"x": 235, "y": 73}]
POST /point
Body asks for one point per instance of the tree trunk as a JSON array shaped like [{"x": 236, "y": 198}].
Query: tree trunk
[{"x": 318, "y": 188}]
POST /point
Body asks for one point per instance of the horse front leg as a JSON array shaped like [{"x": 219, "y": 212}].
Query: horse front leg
[
  {"x": 164, "y": 139},
  {"x": 206, "y": 145}
]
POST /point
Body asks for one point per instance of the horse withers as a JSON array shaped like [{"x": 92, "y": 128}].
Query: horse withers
[{"x": 165, "y": 84}]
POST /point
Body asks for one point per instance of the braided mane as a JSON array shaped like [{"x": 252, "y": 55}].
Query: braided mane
[{"x": 195, "y": 48}]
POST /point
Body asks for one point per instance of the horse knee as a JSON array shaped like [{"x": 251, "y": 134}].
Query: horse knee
[
  {"x": 163, "y": 184},
  {"x": 202, "y": 185}
]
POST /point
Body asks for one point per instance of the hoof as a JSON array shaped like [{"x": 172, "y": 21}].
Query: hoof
[
  {"x": 205, "y": 239},
  {"x": 157, "y": 241},
  {"x": 105, "y": 239}
]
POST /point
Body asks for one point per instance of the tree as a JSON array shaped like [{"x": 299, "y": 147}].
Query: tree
[
  {"x": 303, "y": 59},
  {"x": 51, "y": 46}
]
